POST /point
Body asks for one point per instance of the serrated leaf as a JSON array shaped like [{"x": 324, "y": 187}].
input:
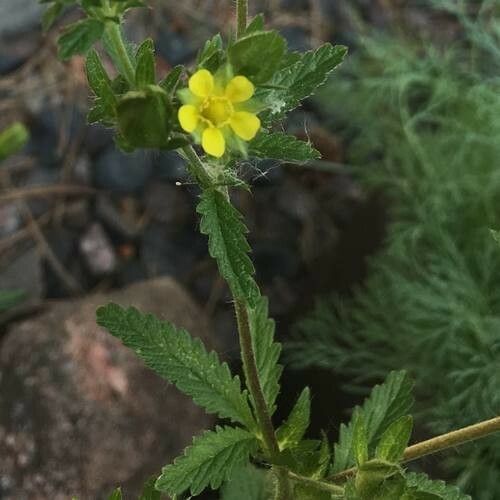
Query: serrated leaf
[
  {"x": 100, "y": 83},
  {"x": 12, "y": 140},
  {"x": 79, "y": 37},
  {"x": 280, "y": 146},
  {"x": 181, "y": 359},
  {"x": 386, "y": 403},
  {"x": 360, "y": 439},
  {"x": 293, "y": 429},
  {"x": 227, "y": 244},
  {"x": 247, "y": 483},
  {"x": 421, "y": 483},
  {"x": 116, "y": 495},
  {"x": 246, "y": 55},
  {"x": 299, "y": 81},
  {"x": 267, "y": 352},
  {"x": 209, "y": 461},
  {"x": 51, "y": 14},
  {"x": 171, "y": 81},
  {"x": 379, "y": 480},
  {"x": 309, "y": 458},
  {"x": 145, "y": 72},
  {"x": 395, "y": 439},
  {"x": 212, "y": 56}
]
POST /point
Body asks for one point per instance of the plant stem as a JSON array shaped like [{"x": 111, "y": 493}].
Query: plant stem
[
  {"x": 320, "y": 485},
  {"x": 439, "y": 443},
  {"x": 241, "y": 17},
  {"x": 123, "y": 62},
  {"x": 253, "y": 381},
  {"x": 196, "y": 167},
  {"x": 283, "y": 488}
]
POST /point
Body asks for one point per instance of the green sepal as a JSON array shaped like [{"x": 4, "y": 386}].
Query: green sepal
[
  {"x": 145, "y": 72},
  {"x": 145, "y": 118},
  {"x": 115, "y": 495},
  {"x": 257, "y": 55},
  {"x": 170, "y": 83},
  {"x": 12, "y": 140},
  {"x": 79, "y": 37},
  {"x": 256, "y": 24}
]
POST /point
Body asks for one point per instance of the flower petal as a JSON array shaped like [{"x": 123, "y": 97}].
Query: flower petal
[
  {"x": 188, "y": 117},
  {"x": 201, "y": 84},
  {"x": 245, "y": 125},
  {"x": 213, "y": 142},
  {"x": 239, "y": 89}
]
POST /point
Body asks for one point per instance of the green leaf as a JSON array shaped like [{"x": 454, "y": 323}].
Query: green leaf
[
  {"x": 420, "y": 483},
  {"x": 149, "y": 492},
  {"x": 11, "y": 298},
  {"x": 12, "y": 140},
  {"x": 395, "y": 439},
  {"x": 145, "y": 73},
  {"x": 360, "y": 440},
  {"x": 309, "y": 458},
  {"x": 79, "y": 37},
  {"x": 212, "y": 56},
  {"x": 379, "y": 480},
  {"x": 387, "y": 403},
  {"x": 182, "y": 360},
  {"x": 293, "y": 429},
  {"x": 170, "y": 83},
  {"x": 145, "y": 118},
  {"x": 209, "y": 461},
  {"x": 247, "y": 483},
  {"x": 227, "y": 244},
  {"x": 51, "y": 14},
  {"x": 267, "y": 352},
  {"x": 256, "y": 24},
  {"x": 116, "y": 495},
  {"x": 100, "y": 83},
  {"x": 300, "y": 80},
  {"x": 257, "y": 55},
  {"x": 280, "y": 146}
]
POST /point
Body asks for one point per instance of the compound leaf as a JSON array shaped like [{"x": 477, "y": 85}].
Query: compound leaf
[
  {"x": 181, "y": 359},
  {"x": 419, "y": 485},
  {"x": 395, "y": 439},
  {"x": 209, "y": 461}
]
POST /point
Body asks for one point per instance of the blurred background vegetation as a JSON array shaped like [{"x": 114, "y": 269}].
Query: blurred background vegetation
[{"x": 377, "y": 257}]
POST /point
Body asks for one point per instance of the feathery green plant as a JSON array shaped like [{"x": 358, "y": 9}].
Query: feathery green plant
[
  {"x": 229, "y": 106},
  {"x": 425, "y": 128}
]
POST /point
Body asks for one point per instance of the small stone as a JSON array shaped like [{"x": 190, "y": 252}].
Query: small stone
[
  {"x": 95, "y": 417},
  {"x": 97, "y": 251},
  {"x": 123, "y": 172}
]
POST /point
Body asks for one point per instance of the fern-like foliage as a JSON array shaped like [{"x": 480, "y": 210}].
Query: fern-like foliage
[
  {"x": 181, "y": 359},
  {"x": 428, "y": 134}
]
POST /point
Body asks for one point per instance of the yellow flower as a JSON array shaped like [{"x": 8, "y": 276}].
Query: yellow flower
[{"x": 213, "y": 111}]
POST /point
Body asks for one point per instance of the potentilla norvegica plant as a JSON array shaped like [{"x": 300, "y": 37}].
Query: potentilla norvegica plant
[{"x": 225, "y": 108}]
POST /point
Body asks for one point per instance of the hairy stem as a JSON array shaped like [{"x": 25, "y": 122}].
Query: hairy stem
[
  {"x": 439, "y": 443},
  {"x": 195, "y": 166},
  {"x": 283, "y": 489},
  {"x": 241, "y": 17},
  {"x": 115, "y": 38},
  {"x": 320, "y": 485},
  {"x": 253, "y": 381}
]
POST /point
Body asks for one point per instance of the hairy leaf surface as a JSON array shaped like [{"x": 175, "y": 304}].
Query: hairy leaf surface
[
  {"x": 209, "y": 461},
  {"x": 181, "y": 359},
  {"x": 281, "y": 146}
]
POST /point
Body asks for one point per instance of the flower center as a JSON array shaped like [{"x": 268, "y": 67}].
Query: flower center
[{"x": 217, "y": 111}]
